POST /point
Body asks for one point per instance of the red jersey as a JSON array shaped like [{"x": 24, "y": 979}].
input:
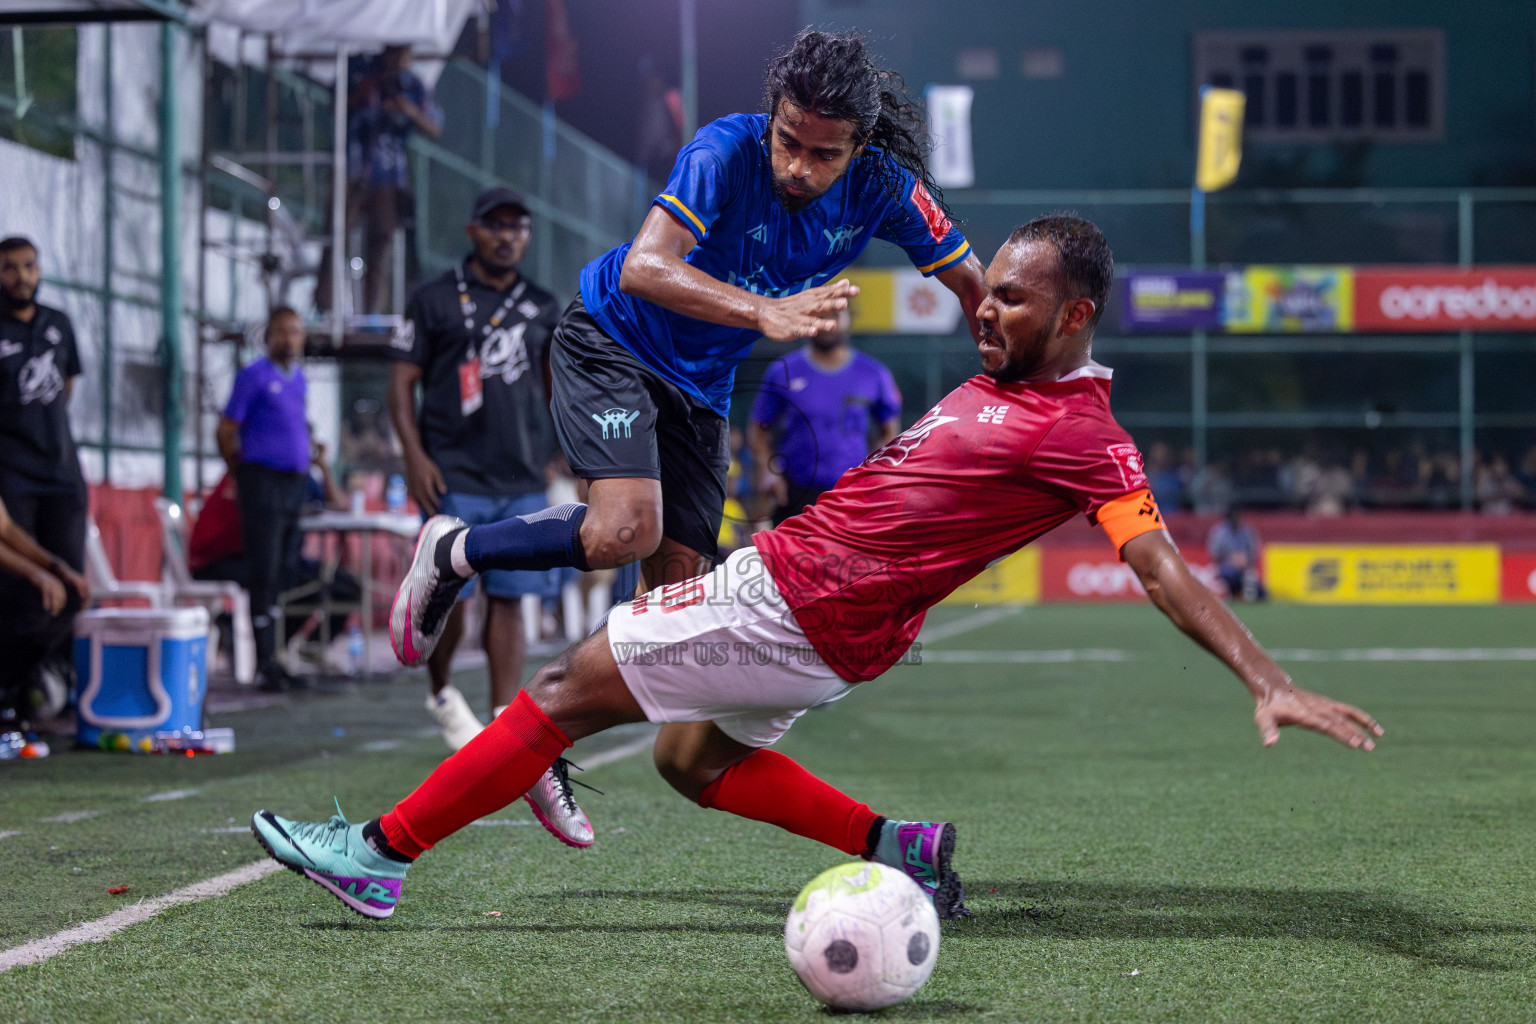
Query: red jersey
[
  {"x": 986, "y": 471},
  {"x": 216, "y": 531}
]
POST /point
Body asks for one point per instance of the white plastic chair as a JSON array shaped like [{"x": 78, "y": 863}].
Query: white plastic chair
[
  {"x": 104, "y": 582},
  {"x": 215, "y": 595}
]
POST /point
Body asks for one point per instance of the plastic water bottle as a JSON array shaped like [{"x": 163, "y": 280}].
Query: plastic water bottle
[
  {"x": 355, "y": 650},
  {"x": 394, "y": 494}
]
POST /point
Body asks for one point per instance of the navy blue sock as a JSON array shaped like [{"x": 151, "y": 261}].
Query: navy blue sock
[{"x": 544, "y": 540}]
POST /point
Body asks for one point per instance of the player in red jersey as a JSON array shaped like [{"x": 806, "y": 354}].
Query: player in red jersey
[{"x": 835, "y": 596}]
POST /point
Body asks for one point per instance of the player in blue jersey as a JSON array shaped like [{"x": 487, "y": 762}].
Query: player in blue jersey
[{"x": 760, "y": 216}]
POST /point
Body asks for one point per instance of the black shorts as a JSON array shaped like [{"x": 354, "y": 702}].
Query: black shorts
[{"x": 617, "y": 417}]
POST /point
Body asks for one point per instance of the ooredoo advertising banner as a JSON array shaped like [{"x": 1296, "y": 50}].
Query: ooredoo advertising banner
[
  {"x": 1444, "y": 299},
  {"x": 1095, "y": 574}
]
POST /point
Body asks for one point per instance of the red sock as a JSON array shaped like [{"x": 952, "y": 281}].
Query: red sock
[
  {"x": 487, "y": 774},
  {"x": 767, "y": 786}
]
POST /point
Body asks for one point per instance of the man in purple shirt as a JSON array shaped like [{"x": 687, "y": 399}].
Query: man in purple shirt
[
  {"x": 264, "y": 437},
  {"x": 832, "y": 405}
]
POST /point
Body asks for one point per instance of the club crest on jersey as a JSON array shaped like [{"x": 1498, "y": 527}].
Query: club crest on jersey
[
  {"x": 896, "y": 451},
  {"x": 759, "y": 233},
  {"x": 842, "y": 238},
  {"x": 1133, "y": 472},
  {"x": 938, "y": 224}
]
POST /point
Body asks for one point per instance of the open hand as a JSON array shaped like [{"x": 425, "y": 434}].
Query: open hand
[
  {"x": 1291, "y": 705},
  {"x": 806, "y": 314}
]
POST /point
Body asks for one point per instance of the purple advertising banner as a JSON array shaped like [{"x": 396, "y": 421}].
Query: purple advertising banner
[{"x": 1152, "y": 301}]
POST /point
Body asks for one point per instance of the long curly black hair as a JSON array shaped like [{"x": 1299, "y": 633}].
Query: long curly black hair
[{"x": 834, "y": 75}]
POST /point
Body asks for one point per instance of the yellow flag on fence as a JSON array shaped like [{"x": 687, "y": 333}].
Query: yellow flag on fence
[{"x": 1221, "y": 138}]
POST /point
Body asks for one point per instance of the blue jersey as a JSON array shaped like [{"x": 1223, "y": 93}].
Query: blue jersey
[{"x": 722, "y": 189}]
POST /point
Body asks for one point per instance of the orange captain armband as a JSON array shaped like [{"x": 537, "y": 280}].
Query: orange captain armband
[{"x": 1129, "y": 516}]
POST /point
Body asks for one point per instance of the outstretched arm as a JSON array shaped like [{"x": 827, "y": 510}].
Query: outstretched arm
[
  {"x": 1201, "y": 614},
  {"x": 655, "y": 270},
  {"x": 968, "y": 281}
]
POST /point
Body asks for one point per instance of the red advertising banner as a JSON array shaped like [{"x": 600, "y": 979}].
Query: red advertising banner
[
  {"x": 1442, "y": 299},
  {"x": 1519, "y": 577},
  {"x": 1095, "y": 574}
]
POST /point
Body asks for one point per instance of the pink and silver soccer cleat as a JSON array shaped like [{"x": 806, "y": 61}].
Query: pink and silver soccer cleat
[
  {"x": 554, "y": 805},
  {"x": 427, "y": 593}
]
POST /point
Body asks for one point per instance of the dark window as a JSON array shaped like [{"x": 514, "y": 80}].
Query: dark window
[
  {"x": 46, "y": 73},
  {"x": 1222, "y": 80},
  {"x": 1319, "y": 54},
  {"x": 1285, "y": 100},
  {"x": 1253, "y": 110},
  {"x": 1416, "y": 99},
  {"x": 1384, "y": 110},
  {"x": 1255, "y": 54},
  {"x": 1351, "y": 99},
  {"x": 1384, "y": 53},
  {"x": 1317, "y": 101}
]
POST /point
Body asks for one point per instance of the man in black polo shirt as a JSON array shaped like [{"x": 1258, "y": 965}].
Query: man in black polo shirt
[
  {"x": 40, "y": 480},
  {"x": 476, "y": 339}
]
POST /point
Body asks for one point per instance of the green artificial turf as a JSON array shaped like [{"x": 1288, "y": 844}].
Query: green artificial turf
[{"x": 1130, "y": 852}]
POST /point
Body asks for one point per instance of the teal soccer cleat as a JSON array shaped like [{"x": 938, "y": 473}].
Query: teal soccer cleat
[
  {"x": 335, "y": 856},
  {"x": 924, "y": 850}
]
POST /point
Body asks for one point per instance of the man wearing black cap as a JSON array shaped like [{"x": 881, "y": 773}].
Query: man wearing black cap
[{"x": 476, "y": 337}]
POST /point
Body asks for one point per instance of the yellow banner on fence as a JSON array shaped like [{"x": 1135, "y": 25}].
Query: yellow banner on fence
[
  {"x": 1014, "y": 580},
  {"x": 1405, "y": 574}
]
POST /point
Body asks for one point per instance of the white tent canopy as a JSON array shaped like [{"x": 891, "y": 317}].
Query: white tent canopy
[{"x": 319, "y": 26}]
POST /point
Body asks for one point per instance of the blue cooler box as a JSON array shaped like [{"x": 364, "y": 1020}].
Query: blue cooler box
[{"x": 139, "y": 671}]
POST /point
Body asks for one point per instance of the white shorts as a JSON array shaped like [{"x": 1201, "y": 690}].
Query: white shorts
[{"x": 721, "y": 648}]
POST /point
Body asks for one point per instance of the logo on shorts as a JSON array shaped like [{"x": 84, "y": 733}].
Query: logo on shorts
[{"x": 613, "y": 419}]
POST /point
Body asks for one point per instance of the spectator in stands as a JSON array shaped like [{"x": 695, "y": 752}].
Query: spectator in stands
[
  {"x": 264, "y": 438},
  {"x": 216, "y": 548},
  {"x": 40, "y": 480},
  {"x": 476, "y": 338},
  {"x": 386, "y": 104},
  {"x": 830, "y": 405},
  {"x": 1165, "y": 478},
  {"x": 1234, "y": 546},
  {"x": 1527, "y": 472},
  {"x": 1497, "y": 488},
  {"x": 1211, "y": 488},
  {"x": 35, "y": 618}
]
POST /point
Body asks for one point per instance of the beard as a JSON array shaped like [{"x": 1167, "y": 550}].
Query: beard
[
  {"x": 1016, "y": 366},
  {"x": 19, "y": 299},
  {"x": 792, "y": 203}
]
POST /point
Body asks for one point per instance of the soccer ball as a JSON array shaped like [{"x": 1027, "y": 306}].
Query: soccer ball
[{"x": 862, "y": 936}]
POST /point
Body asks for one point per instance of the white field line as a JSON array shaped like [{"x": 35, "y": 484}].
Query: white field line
[
  {"x": 379, "y": 746},
  {"x": 1021, "y": 657},
  {"x": 100, "y": 930},
  {"x": 1406, "y": 654},
  {"x": 1282, "y": 654},
  {"x": 975, "y": 620},
  {"x": 494, "y": 822},
  {"x": 619, "y": 752},
  {"x": 170, "y": 794},
  {"x": 8, "y": 833},
  {"x": 70, "y": 817}
]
